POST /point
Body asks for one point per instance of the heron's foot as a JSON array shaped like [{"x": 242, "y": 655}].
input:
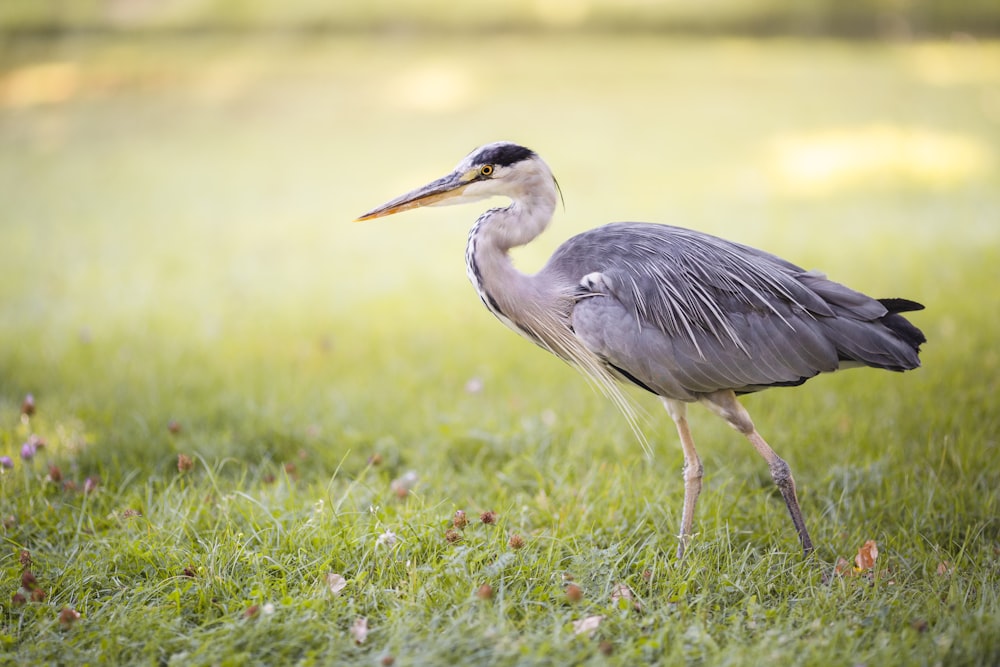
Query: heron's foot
[
  {"x": 782, "y": 476},
  {"x": 682, "y": 544}
]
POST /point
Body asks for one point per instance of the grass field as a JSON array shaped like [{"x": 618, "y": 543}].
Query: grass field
[{"x": 181, "y": 277}]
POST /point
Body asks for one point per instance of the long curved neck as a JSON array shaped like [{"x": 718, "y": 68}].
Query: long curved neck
[{"x": 507, "y": 292}]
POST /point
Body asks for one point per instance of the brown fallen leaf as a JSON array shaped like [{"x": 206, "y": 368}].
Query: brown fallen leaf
[
  {"x": 867, "y": 554},
  {"x": 944, "y": 568},
  {"x": 864, "y": 562},
  {"x": 843, "y": 568}
]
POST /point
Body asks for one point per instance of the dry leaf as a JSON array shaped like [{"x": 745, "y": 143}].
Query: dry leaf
[
  {"x": 842, "y": 568},
  {"x": 587, "y": 625},
  {"x": 623, "y": 592},
  {"x": 944, "y": 568},
  {"x": 335, "y": 583},
  {"x": 359, "y": 630},
  {"x": 865, "y": 560}
]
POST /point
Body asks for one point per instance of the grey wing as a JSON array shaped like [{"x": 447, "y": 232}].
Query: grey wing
[{"x": 683, "y": 313}]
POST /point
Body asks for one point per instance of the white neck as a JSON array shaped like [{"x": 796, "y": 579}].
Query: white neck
[
  {"x": 520, "y": 223},
  {"x": 507, "y": 292}
]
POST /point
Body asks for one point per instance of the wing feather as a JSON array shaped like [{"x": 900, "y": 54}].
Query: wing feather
[{"x": 687, "y": 313}]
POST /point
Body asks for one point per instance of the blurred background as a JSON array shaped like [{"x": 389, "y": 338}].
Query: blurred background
[
  {"x": 849, "y": 18},
  {"x": 178, "y": 180}
]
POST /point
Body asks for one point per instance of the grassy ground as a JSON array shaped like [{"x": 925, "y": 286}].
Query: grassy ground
[{"x": 180, "y": 276}]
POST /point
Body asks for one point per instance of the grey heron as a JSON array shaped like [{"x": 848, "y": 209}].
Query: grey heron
[{"x": 687, "y": 316}]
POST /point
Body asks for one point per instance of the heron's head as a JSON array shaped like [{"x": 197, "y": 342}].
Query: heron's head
[{"x": 498, "y": 169}]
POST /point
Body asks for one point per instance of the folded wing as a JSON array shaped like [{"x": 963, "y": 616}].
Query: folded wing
[{"x": 683, "y": 313}]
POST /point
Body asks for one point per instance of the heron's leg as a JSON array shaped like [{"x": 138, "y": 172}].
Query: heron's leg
[
  {"x": 692, "y": 469},
  {"x": 724, "y": 404}
]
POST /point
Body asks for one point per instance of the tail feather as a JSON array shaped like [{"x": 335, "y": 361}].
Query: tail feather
[
  {"x": 896, "y": 305},
  {"x": 889, "y": 341},
  {"x": 901, "y": 326}
]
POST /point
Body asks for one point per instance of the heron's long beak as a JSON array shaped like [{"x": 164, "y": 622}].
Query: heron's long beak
[{"x": 434, "y": 193}]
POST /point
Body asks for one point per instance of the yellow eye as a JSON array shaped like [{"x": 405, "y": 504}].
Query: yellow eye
[{"x": 486, "y": 170}]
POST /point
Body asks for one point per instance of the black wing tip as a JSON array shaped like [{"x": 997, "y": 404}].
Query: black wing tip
[
  {"x": 902, "y": 327},
  {"x": 897, "y": 305}
]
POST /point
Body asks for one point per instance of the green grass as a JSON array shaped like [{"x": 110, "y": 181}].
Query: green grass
[{"x": 176, "y": 246}]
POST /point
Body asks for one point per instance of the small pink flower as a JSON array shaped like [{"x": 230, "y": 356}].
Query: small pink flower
[
  {"x": 31, "y": 447},
  {"x": 28, "y": 451}
]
